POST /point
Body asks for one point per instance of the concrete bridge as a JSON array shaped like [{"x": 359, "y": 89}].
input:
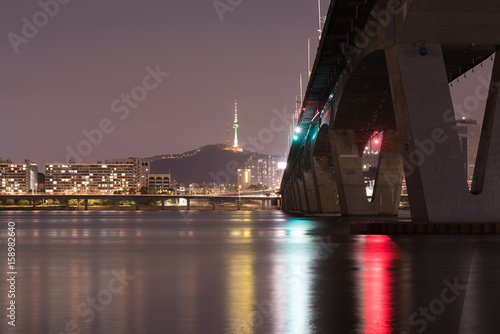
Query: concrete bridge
[{"x": 385, "y": 66}]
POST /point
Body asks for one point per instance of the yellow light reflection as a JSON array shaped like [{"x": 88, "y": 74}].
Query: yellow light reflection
[{"x": 241, "y": 282}]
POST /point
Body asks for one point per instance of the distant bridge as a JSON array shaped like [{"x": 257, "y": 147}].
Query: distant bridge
[
  {"x": 266, "y": 201},
  {"x": 386, "y": 65}
]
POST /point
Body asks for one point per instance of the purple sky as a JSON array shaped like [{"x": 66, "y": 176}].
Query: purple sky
[{"x": 64, "y": 79}]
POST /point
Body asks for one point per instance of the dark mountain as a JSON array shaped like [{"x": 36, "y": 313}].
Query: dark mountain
[{"x": 210, "y": 163}]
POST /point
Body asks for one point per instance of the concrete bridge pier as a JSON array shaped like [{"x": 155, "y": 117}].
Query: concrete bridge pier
[
  {"x": 327, "y": 187},
  {"x": 426, "y": 122},
  {"x": 299, "y": 206},
  {"x": 350, "y": 179},
  {"x": 292, "y": 200},
  {"x": 286, "y": 198},
  {"x": 294, "y": 191},
  {"x": 433, "y": 162},
  {"x": 349, "y": 174},
  {"x": 86, "y": 201},
  {"x": 310, "y": 190},
  {"x": 188, "y": 203},
  {"x": 389, "y": 180},
  {"x": 163, "y": 204},
  {"x": 301, "y": 192}
]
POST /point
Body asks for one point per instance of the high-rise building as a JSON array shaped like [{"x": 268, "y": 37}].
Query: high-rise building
[
  {"x": 265, "y": 171},
  {"x": 98, "y": 178},
  {"x": 244, "y": 178},
  {"x": 469, "y": 133},
  {"x": 141, "y": 170},
  {"x": 18, "y": 177},
  {"x": 235, "y": 124}
]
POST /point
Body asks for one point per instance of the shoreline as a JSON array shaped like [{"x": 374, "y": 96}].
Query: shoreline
[{"x": 129, "y": 208}]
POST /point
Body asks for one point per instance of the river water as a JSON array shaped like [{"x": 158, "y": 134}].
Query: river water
[{"x": 226, "y": 272}]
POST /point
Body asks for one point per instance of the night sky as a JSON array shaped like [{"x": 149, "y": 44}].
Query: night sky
[{"x": 65, "y": 78}]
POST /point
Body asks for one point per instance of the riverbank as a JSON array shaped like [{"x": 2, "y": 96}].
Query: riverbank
[{"x": 131, "y": 208}]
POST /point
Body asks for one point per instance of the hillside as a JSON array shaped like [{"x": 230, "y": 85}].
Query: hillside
[{"x": 210, "y": 163}]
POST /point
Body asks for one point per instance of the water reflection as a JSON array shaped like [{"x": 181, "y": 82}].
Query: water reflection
[
  {"x": 298, "y": 251},
  {"x": 241, "y": 285},
  {"x": 376, "y": 256},
  {"x": 220, "y": 275}
]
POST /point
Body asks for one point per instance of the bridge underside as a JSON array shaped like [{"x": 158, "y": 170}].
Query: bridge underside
[{"x": 396, "y": 82}]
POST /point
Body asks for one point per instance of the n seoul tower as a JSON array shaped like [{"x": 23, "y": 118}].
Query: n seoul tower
[{"x": 235, "y": 124}]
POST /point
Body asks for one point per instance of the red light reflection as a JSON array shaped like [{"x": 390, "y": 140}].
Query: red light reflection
[{"x": 376, "y": 256}]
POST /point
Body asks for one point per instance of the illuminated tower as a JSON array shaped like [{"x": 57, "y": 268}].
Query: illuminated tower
[{"x": 235, "y": 124}]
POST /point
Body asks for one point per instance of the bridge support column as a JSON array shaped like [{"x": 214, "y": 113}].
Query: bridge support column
[
  {"x": 303, "y": 195},
  {"x": 285, "y": 197},
  {"x": 137, "y": 204},
  {"x": 238, "y": 204},
  {"x": 387, "y": 191},
  {"x": 327, "y": 187},
  {"x": 433, "y": 163},
  {"x": 188, "y": 203},
  {"x": 163, "y": 204},
  {"x": 34, "y": 204},
  {"x": 77, "y": 204},
  {"x": 291, "y": 199},
  {"x": 294, "y": 199},
  {"x": 86, "y": 201},
  {"x": 299, "y": 196},
  {"x": 310, "y": 189},
  {"x": 350, "y": 179},
  {"x": 213, "y": 203}
]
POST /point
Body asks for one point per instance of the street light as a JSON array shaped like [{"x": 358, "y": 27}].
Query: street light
[
  {"x": 301, "y": 89},
  {"x": 319, "y": 19},
  {"x": 309, "y": 55}
]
